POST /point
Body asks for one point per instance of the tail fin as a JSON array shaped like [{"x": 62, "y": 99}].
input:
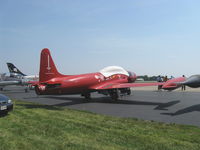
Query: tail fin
[
  {"x": 47, "y": 67},
  {"x": 14, "y": 70}
]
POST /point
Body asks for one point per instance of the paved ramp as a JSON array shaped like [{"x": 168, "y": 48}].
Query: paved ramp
[{"x": 170, "y": 107}]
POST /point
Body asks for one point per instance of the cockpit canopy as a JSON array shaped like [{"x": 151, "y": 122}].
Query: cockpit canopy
[{"x": 112, "y": 70}]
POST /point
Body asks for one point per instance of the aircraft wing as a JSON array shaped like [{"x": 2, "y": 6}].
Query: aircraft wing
[
  {"x": 4, "y": 83},
  {"x": 123, "y": 85}
]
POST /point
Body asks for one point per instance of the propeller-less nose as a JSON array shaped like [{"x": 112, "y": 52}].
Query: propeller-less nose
[{"x": 193, "y": 81}]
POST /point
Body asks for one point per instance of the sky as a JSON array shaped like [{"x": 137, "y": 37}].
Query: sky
[{"x": 148, "y": 37}]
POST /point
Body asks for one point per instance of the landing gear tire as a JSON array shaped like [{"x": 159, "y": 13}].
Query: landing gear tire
[
  {"x": 26, "y": 89},
  {"x": 114, "y": 94},
  {"x": 87, "y": 95},
  {"x": 128, "y": 91}
]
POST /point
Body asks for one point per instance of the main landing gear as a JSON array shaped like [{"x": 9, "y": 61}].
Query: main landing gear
[
  {"x": 116, "y": 93},
  {"x": 113, "y": 93},
  {"x": 26, "y": 89},
  {"x": 86, "y": 95}
]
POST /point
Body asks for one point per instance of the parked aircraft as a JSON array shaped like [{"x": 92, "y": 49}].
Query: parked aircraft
[
  {"x": 173, "y": 84},
  {"x": 7, "y": 80},
  {"x": 193, "y": 81},
  {"x": 15, "y": 72},
  {"x": 113, "y": 80},
  {"x": 6, "y": 83}
]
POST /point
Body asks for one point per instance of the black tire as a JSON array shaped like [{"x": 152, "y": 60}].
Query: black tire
[
  {"x": 87, "y": 96},
  {"x": 128, "y": 91},
  {"x": 26, "y": 90},
  {"x": 115, "y": 94},
  {"x": 3, "y": 113}
]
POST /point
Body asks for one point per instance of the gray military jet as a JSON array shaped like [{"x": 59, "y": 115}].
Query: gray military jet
[
  {"x": 7, "y": 80},
  {"x": 193, "y": 81}
]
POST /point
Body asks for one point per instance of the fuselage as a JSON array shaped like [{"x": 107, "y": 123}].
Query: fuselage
[
  {"x": 32, "y": 77},
  {"x": 193, "y": 81},
  {"x": 27, "y": 77},
  {"x": 78, "y": 84}
]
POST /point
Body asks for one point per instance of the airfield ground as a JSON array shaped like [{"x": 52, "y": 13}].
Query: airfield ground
[{"x": 145, "y": 103}]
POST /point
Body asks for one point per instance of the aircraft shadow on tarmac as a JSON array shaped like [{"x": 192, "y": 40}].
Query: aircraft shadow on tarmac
[
  {"x": 75, "y": 101},
  {"x": 184, "y": 110}
]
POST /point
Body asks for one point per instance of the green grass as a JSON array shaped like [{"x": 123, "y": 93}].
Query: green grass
[{"x": 38, "y": 127}]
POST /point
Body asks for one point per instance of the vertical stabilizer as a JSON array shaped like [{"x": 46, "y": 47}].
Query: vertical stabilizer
[
  {"x": 14, "y": 70},
  {"x": 48, "y": 69}
]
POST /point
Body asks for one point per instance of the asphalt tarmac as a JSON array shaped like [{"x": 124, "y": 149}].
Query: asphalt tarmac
[{"x": 170, "y": 107}]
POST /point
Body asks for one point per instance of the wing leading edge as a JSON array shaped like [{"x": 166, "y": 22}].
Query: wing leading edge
[{"x": 123, "y": 85}]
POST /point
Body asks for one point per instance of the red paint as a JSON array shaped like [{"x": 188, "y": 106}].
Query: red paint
[
  {"x": 51, "y": 82},
  {"x": 173, "y": 83}
]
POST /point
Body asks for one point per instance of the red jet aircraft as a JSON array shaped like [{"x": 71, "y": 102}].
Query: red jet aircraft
[{"x": 112, "y": 81}]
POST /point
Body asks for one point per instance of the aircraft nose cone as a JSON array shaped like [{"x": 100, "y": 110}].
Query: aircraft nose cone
[{"x": 193, "y": 81}]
